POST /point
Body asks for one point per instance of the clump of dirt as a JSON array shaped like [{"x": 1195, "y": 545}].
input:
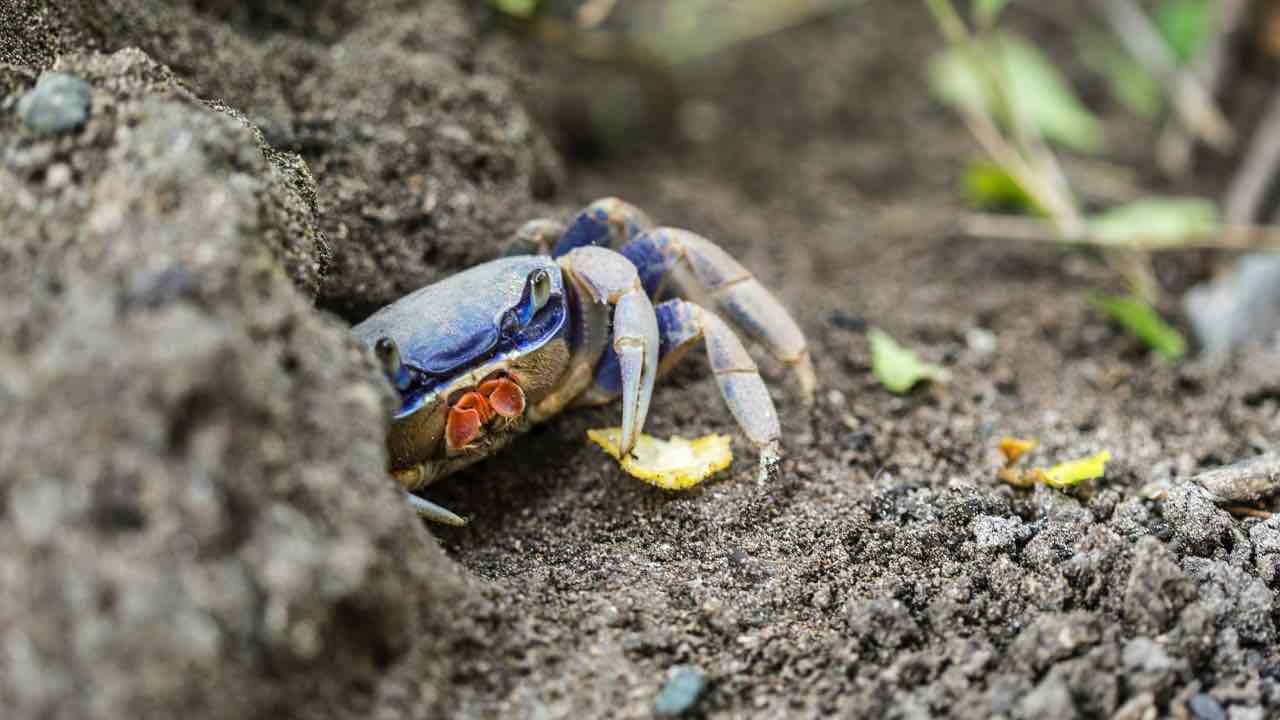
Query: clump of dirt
[{"x": 196, "y": 516}]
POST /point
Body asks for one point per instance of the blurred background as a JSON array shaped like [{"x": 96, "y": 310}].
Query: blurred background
[{"x": 1127, "y": 128}]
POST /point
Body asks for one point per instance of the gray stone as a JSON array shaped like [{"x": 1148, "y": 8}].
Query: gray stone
[
  {"x": 681, "y": 691},
  {"x": 1051, "y": 698},
  {"x": 1241, "y": 306},
  {"x": 1241, "y": 712},
  {"x": 59, "y": 102},
  {"x": 1205, "y": 707},
  {"x": 1145, "y": 654},
  {"x": 997, "y": 533},
  {"x": 1266, "y": 536}
]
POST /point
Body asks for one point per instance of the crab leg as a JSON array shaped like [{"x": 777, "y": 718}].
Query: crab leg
[
  {"x": 681, "y": 325},
  {"x": 629, "y": 363},
  {"x": 607, "y": 222},
  {"x": 431, "y": 511},
  {"x": 697, "y": 269},
  {"x": 535, "y": 237},
  {"x": 635, "y": 342}
]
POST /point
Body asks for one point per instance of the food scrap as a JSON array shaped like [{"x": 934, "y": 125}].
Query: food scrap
[
  {"x": 1074, "y": 472},
  {"x": 1060, "y": 476},
  {"x": 673, "y": 464},
  {"x": 1013, "y": 448}
]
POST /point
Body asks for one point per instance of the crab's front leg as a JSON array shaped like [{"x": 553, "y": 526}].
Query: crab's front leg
[
  {"x": 607, "y": 285},
  {"x": 681, "y": 325},
  {"x": 687, "y": 265}
]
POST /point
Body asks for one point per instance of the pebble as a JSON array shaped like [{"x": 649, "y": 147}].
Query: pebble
[
  {"x": 681, "y": 692},
  {"x": 59, "y": 102},
  {"x": 1205, "y": 707}
]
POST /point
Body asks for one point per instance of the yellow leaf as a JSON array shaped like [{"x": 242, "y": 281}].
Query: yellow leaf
[
  {"x": 1074, "y": 472},
  {"x": 1014, "y": 448},
  {"x": 673, "y": 464}
]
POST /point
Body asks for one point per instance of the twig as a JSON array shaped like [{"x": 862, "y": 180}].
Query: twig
[
  {"x": 1192, "y": 102},
  {"x": 1211, "y": 66},
  {"x": 1025, "y": 229},
  {"x": 1048, "y": 195},
  {"x": 1248, "y": 189},
  {"x": 1244, "y": 510},
  {"x": 949, "y": 21},
  {"x": 1246, "y": 481}
]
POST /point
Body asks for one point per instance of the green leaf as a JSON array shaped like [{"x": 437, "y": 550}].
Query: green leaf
[
  {"x": 1169, "y": 219},
  {"x": 1074, "y": 472},
  {"x": 1187, "y": 25},
  {"x": 896, "y": 367},
  {"x": 1037, "y": 92},
  {"x": 1130, "y": 83},
  {"x": 1143, "y": 322},
  {"x": 956, "y": 78},
  {"x": 517, "y": 8},
  {"x": 1043, "y": 96},
  {"x": 989, "y": 187},
  {"x": 985, "y": 12}
]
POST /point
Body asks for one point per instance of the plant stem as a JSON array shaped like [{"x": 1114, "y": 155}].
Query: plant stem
[{"x": 949, "y": 21}]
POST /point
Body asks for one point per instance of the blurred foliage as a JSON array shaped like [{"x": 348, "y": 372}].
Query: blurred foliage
[
  {"x": 664, "y": 32},
  {"x": 1166, "y": 219},
  {"x": 1034, "y": 89},
  {"x": 985, "y": 12},
  {"x": 988, "y": 186},
  {"x": 1187, "y": 25},
  {"x": 1129, "y": 82},
  {"x": 1143, "y": 322},
  {"x": 517, "y": 8}
]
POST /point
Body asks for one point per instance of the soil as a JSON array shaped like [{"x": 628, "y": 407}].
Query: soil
[{"x": 194, "y": 517}]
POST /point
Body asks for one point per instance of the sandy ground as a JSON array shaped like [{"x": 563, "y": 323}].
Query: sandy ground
[{"x": 193, "y": 515}]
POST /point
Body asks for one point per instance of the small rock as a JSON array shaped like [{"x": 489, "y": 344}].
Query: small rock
[
  {"x": 1198, "y": 524},
  {"x": 1239, "y": 712},
  {"x": 1239, "y": 307},
  {"x": 681, "y": 692},
  {"x": 1144, "y": 654},
  {"x": 1205, "y": 707},
  {"x": 997, "y": 533},
  {"x": 1051, "y": 698},
  {"x": 981, "y": 341},
  {"x": 1140, "y": 707},
  {"x": 59, "y": 102}
]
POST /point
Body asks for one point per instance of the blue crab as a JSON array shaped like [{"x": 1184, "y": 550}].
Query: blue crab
[{"x": 481, "y": 355}]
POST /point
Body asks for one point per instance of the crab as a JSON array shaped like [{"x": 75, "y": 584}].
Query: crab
[{"x": 578, "y": 314}]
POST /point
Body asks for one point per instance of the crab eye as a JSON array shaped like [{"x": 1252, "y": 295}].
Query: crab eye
[
  {"x": 389, "y": 355},
  {"x": 541, "y": 282}
]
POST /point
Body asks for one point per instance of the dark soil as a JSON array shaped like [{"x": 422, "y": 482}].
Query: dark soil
[{"x": 193, "y": 514}]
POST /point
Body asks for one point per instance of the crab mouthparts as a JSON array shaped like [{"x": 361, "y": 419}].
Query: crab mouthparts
[{"x": 499, "y": 397}]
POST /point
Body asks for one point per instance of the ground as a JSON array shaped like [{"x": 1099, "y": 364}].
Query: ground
[{"x": 221, "y": 538}]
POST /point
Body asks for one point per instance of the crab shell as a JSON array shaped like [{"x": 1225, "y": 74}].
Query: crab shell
[{"x": 454, "y": 335}]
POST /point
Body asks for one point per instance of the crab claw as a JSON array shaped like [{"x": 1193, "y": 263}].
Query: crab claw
[
  {"x": 504, "y": 396},
  {"x": 466, "y": 418},
  {"x": 635, "y": 340}
]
